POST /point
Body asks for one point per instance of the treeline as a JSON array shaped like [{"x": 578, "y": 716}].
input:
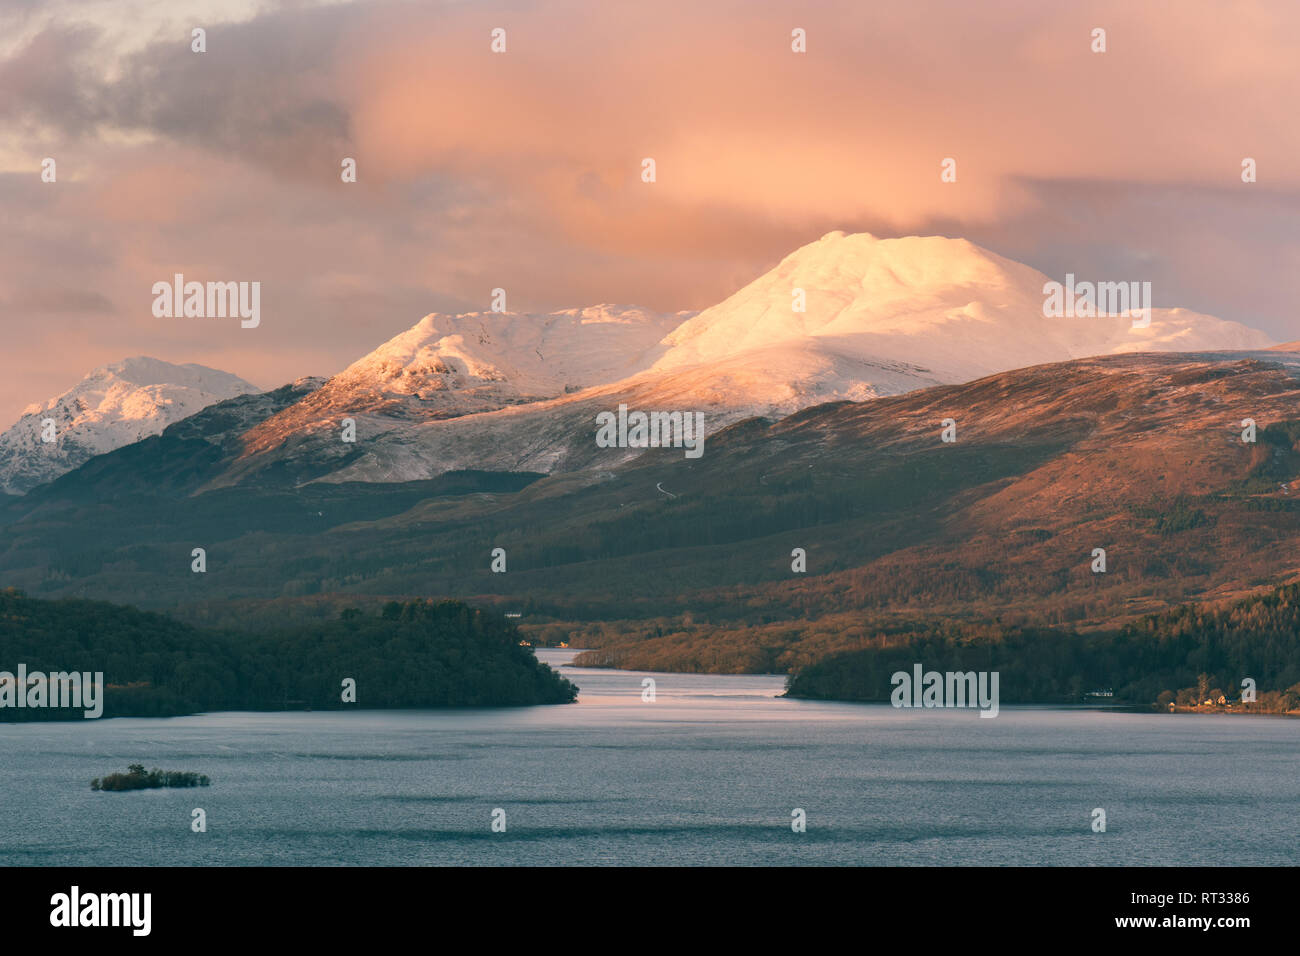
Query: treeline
[
  {"x": 1176, "y": 656},
  {"x": 413, "y": 654},
  {"x": 1035, "y": 665}
]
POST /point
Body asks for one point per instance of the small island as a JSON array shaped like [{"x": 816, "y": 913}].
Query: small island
[{"x": 136, "y": 778}]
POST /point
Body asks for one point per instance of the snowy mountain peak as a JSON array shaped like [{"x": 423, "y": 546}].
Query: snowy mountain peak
[
  {"x": 448, "y": 366},
  {"x": 848, "y": 316},
  {"x": 530, "y": 355},
  {"x": 114, "y": 405},
  {"x": 948, "y": 305}
]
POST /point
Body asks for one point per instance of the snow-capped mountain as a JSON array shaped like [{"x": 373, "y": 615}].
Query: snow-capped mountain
[
  {"x": 885, "y": 316},
  {"x": 520, "y": 392},
  {"x": 448, "y": 366},
  {"x": 113, "y": 406}
]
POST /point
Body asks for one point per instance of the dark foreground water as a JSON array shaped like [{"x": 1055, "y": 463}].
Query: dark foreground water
[{"x": 707, "y": 774}]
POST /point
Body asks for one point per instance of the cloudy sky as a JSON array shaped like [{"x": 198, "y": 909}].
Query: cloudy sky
[{"x": 522, "y": 170}]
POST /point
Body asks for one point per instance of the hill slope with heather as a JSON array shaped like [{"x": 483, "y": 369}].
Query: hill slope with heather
[{"x": 668, "y": 562}]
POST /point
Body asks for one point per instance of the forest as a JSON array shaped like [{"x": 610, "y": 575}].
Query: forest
[
  {"x": 410, "y": 654},
  {"x": 1183, "y": 657}
]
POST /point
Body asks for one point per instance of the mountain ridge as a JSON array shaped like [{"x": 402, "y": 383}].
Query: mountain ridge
[
  {"x": 883, "y": 317},
  {"x": 501, "y": 391}
]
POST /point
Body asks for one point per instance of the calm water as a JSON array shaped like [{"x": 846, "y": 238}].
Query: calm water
[{"x": 708, "y": 773}]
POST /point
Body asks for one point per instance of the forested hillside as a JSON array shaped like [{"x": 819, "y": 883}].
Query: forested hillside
[
  {"x": 1183, "y": 656},
  {"x": 416, "y": 654},
  {"x": 786, "y": 542}
]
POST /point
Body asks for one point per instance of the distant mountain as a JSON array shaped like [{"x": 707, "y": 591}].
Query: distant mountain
[
  {"x": 507, "y": 392},
  {"x": 112, "y": 406},
  {"x": 848, "y": 317},
  {"x": 180, "y": 459}
]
